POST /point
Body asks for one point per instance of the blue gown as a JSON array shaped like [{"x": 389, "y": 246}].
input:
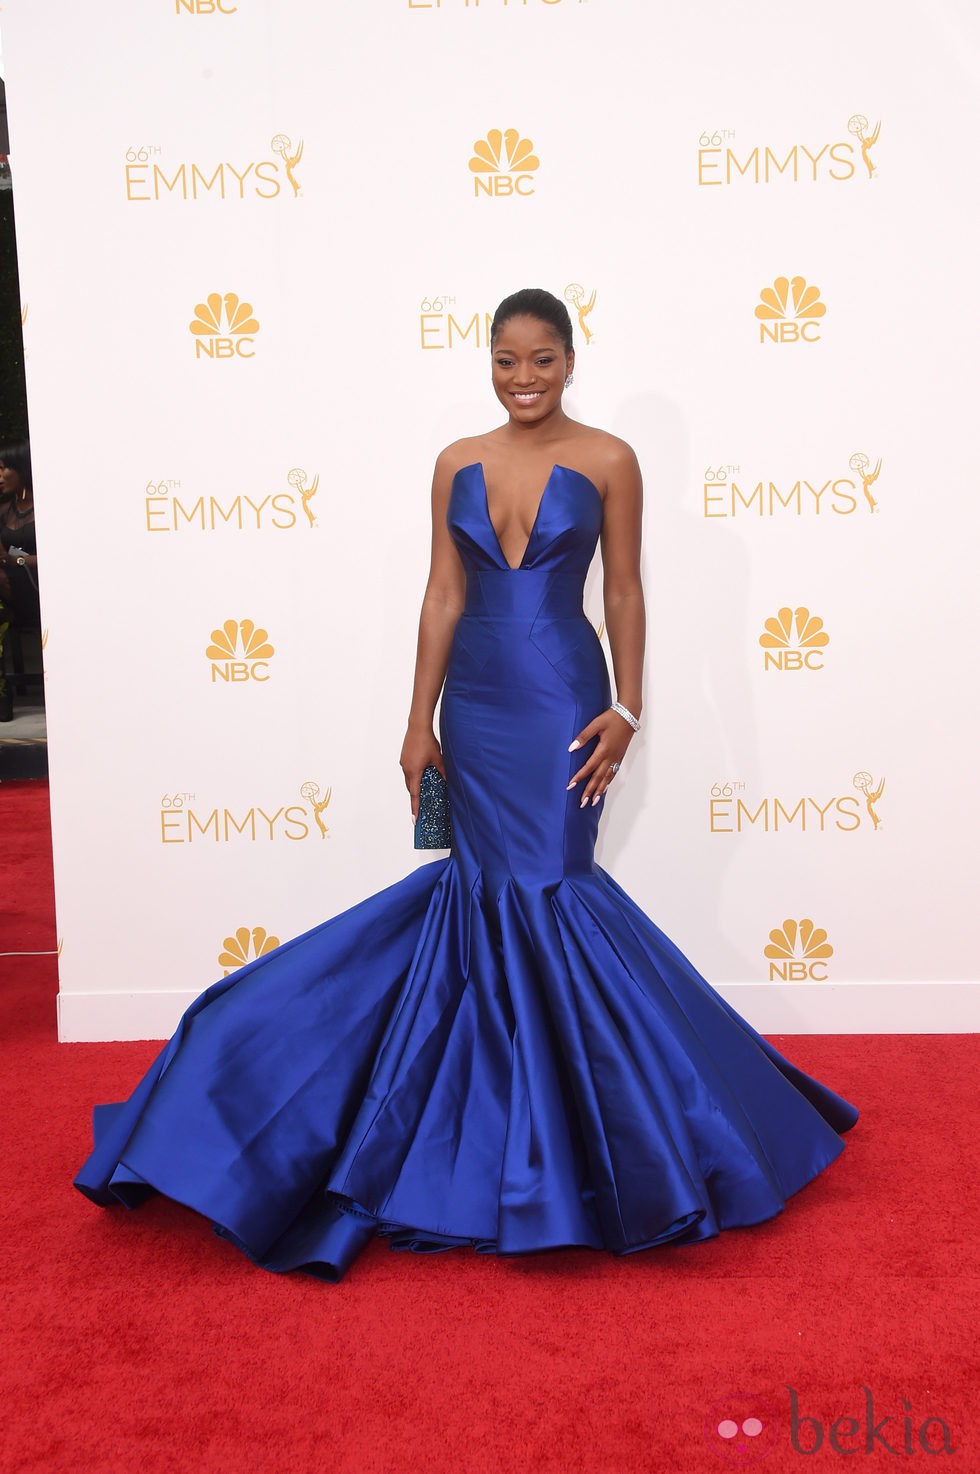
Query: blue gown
[{"x": 501, "y": 1049}]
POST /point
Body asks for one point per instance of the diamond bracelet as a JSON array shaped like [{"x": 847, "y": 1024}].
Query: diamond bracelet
[{"x": 626, "y": 715}]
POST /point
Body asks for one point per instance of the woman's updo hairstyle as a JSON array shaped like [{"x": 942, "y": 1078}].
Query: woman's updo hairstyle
[{"x": 535, "y": 302}]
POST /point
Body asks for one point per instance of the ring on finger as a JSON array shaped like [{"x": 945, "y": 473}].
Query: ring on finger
[{"x": 614, "y": 767}]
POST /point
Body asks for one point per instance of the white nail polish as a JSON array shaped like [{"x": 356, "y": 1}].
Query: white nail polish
[{"x": 573, "y": 745}]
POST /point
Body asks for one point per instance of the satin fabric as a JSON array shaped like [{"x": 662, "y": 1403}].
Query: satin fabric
[{"x": 501, "y": 1049}]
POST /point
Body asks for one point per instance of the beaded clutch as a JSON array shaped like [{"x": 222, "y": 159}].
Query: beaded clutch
[{"x": 433, "y": 829}]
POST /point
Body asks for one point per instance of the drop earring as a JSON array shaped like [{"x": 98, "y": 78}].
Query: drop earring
[{"x": 568, "y": 381}]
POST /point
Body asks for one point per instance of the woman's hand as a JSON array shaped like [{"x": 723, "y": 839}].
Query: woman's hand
[
  {"x": 615, "y": 735},
  {"x": 419, "y": 749}
]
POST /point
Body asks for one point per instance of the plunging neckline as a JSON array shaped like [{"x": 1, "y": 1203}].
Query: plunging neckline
[{"x": 516, "y": 567}]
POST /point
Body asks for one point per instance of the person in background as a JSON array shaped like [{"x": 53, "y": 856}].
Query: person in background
[{"x": 18, "y": 552}]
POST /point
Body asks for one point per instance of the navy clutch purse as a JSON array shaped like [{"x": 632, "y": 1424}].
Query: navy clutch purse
[{"x": 433, "y": 829}]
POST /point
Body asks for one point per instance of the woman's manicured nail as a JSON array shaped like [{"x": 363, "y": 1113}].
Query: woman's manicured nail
[
  {"x": 585, "y": 799},
  {"x": 595, "y": 799},
  {"x": 573, "y": 745},
  {"x": 571, "y": 785}
]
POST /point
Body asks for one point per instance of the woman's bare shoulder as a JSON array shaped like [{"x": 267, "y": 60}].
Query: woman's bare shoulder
[
  {"x": 605, "y": 457},
  {"x": 460, "y": 453}
]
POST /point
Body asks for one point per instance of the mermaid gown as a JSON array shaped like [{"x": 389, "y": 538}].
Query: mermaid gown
[{"x": 501, "y": 1049}]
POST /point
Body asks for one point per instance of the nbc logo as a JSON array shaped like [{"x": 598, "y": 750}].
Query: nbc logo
[
  {"x": 244, "y": 947},
  {"x": 503, "y": 164},
  {"x": 239, "y": 652},
  {"x": 789, "y": 311},
  {"x": 224, "y": 327},
  {"x": 205, "y": 7},
  {"x": 794, "y": 639},
  {"x": 798, "y": 951}
]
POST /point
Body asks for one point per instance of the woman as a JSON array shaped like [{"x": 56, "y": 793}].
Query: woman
[
  {"x": 18, "y": 538},
  {"x": 19, "y": 605},
  {"x": 501, "y": 1049}
]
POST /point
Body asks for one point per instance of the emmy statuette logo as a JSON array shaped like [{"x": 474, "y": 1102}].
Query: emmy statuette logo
[
  {"x": 867, "y": 137},
  {"x": 583, "y": 304},
  {"x": 872, "y": 791},
  {"x": 283, "y": 146},
  {"x": 311, "y": 792}
]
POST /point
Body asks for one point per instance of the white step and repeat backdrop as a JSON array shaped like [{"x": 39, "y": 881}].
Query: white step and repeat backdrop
[{"x": 260, "y": 245}]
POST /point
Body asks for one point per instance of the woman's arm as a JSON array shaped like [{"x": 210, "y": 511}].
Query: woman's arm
[
  {"x": 625, "y": 615},
  {"x": 442, "y": 604},
  {"x": 622, "y": 588}
]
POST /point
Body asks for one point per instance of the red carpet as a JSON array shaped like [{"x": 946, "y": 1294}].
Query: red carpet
[{"x": 142, "y": 1342}]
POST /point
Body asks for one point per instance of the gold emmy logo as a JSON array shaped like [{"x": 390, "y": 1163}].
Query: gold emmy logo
[
  {"x": 859, "y": 125},
  {"x": 283, "y": 146},
  {"x": 726, "y": 494},
  {"x": 23, "y": 315},
  {"x": 730, "y": 813},
  {"x": 297, "y": 480},
  {"x": 167, "y": 509},
  {"x": 185, "y": 821},
  {"x": 798, "y": 951},
  {"x": 872, "y": 793},
  {"x": 151, "y": 176},
  {"x": 224, "y": 327},
  {"x": 869, "y": 474},
  {"x": 239, "y": 652},
  {"x": 793, "y": 639},
  {"x": 783, "y": 322},
  {"x": 244, "y": 947},
  {"x": 439, "y": 328},
  {"x": 503, "y": 164},
  {"x": 583, "y": 305},
  {"x": 720, "y": 163},
  {"x": 311, "y": 792}
]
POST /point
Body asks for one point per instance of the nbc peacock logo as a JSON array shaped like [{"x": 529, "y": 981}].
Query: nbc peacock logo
[
  {"x": 239, "y": 651},
  {"x": 503, "y": 163},
  {"x": 798, "y": 952},
  {"x": 789, "y": 311},
  {"x": 245, "y": 946},
  {"x": 794, "y": 639},
  {"x": 224, "y": 327}
]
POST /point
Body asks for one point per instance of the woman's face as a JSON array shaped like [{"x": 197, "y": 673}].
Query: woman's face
[
  {"x": 11, "y": 481},
  {"x": 530, "y": 366}
]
